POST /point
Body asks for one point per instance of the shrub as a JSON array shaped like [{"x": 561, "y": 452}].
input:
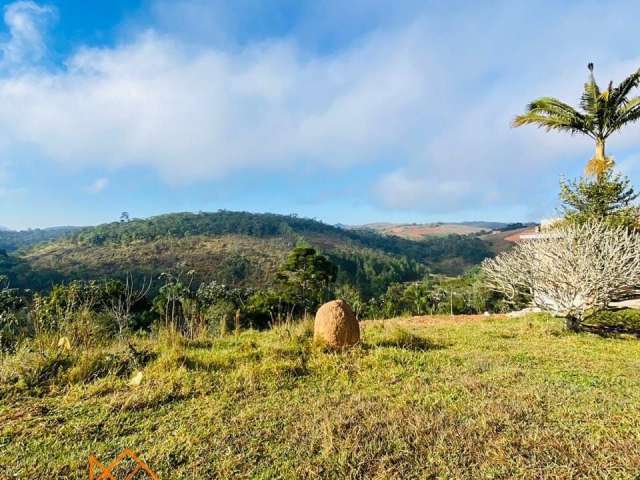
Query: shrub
[{"x": 574, "y": 271}]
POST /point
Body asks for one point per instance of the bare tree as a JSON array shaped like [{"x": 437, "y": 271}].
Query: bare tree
[
  {"x": 123, "y": 301},
  {"x": 574, "y": 271}
]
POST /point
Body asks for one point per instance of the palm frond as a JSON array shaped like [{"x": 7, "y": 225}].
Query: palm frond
[
  {"x": 600, "y": 114},
  {"x": 549, "y": 122},
  {"x": 629, "y": 113},
  {"x": 552, "y": 114},
  {"x": 552, "y": 106},
  {"x": 621, "y": 92},
  {"x": 590, "y": 96}
]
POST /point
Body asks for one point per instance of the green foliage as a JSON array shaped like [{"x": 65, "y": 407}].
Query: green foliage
[
  {"x": 305, "y": 277},
  {"x": 371, "y": 273},
  {"x": 14, "y": 321},
  {"x": 622, "y": 320},
  {"x": 20, "y": 274},
  {"x": 607, "y": 198},
  {"x": 352, "y": 296},
  {"x": 269, "y": 308},
  {"x": 436, "y": 295},
  {"x": 221, "y": 305},
  {"x": 11, "y": 240},
  {"x": 237, "y": 248},
  {"x": 176, "y": 303},
  {"x": 267, "y": 225},
  {"x": 64, "y": 302},
  {"x": 220, "y": 317},
  {"x": 179, "y": 225},
  {"x": 214, "y": 292},
  {"x": 86, "y": 312}
]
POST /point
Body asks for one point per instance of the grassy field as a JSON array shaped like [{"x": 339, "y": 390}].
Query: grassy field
[{"x": 470, "y": 397}]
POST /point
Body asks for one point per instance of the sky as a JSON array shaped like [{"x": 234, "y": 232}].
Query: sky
[{"x": 348, "y": 112}]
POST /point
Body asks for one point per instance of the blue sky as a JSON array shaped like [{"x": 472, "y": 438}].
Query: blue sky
[{"x": 349, "y": 112}]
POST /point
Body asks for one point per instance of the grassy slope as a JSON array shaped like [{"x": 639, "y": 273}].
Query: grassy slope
[{"x": 465, "y": 398}]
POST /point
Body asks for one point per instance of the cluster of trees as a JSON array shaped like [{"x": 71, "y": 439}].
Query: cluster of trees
[
  {"x": 434, "y": 294},
  {"x": 592, "y": 256}
]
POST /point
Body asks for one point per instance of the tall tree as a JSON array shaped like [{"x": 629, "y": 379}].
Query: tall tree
[
  {"x": 608, "y": 198},
  {"x": 602, "y": 114},
  {"x": 305, "y": 276}
]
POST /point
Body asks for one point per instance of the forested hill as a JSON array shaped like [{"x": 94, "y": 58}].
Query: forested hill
[
  {"x": 16, "y": 240},
  {"x": 237, "y": 248},
  {"x": 266, "y": 225}
]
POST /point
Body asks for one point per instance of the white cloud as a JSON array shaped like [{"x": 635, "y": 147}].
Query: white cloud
[
  {"x": 203, "y": 114},
  {"x": 99, "y": 185},
  {"x": 206, "y": 113},
  {"x": 26, "y": 22}
]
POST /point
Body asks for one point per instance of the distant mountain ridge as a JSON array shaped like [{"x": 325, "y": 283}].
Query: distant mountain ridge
[{"x": 234, "y": 247}]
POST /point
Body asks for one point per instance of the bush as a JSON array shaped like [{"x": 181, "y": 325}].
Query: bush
[
  {"x": 33, "y": 371},
  {"x": 626, "y": 319},
  {"x": 14, "y": 320},
  {"x": 574, "y": 271},
  {"x": 220, "y": 317}
]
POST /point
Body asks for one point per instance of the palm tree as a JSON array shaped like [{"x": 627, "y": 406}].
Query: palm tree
[{"x": 602, "y": 113}]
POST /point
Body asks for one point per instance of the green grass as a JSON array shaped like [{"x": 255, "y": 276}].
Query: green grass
[{"x": 472, "y": 397}]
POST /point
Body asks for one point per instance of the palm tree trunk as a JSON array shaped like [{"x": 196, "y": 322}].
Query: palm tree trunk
[{"x": 600, "y": 146}]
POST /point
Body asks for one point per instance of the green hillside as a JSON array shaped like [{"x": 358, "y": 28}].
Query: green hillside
[
  {"x": 237, "y": 248},
  {"x": 15, "y": 240}
]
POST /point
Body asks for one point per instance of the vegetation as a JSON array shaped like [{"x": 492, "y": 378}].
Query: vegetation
[
  {"x": 305, "y": 278},
  {"x": 609, "y": 198},
  {"x": 79, "y": 310},
  {"x": 290, "y": 227},
  {"x": 11, "y": 240},
  {"x": 590, "y": 259},
  {"x": 603, "y": 113},
  {"x": 434, "y": 398},
  {"x": 236, "y": 248},
  {"x": 574, "y": 271}
]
